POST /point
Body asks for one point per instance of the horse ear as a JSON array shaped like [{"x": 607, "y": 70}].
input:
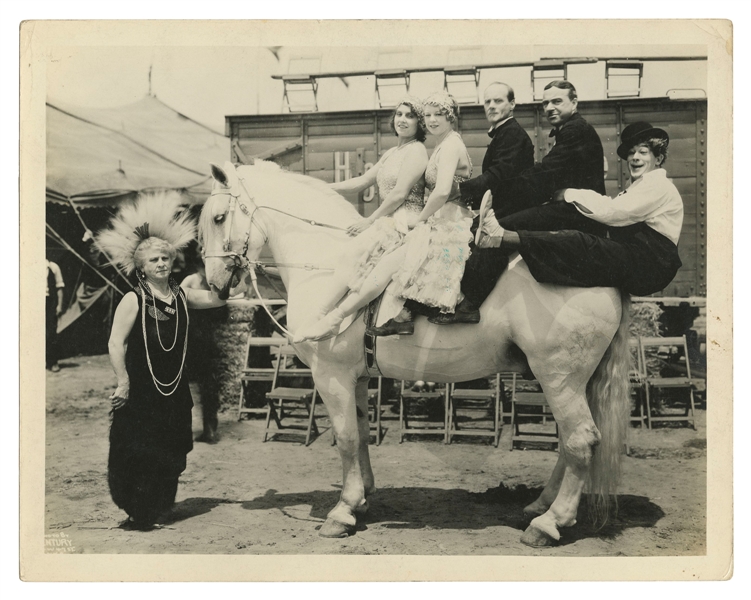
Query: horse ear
[{"x": 218, "y": 174}]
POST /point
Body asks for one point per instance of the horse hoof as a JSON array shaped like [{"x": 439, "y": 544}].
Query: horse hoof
[
  {"x": 335, "y": 529},
  {"x": 534, "y": 510},
  {"x": 537, "y": 538}
]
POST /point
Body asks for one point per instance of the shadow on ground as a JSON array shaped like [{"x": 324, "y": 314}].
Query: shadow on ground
[
  {"x": 193, "y": 507},
  {"x": 433, "y": 508}
]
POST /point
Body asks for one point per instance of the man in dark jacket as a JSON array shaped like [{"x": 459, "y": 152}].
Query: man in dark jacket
[
  {"x": 510, "y": 151},
  {"x": 575, "y": 161}
]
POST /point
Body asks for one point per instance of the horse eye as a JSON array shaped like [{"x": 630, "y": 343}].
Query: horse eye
[{"x": 219, "y": 219}]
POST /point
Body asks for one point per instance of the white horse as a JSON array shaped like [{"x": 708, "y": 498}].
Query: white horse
[{"x": 574, "y": 340}]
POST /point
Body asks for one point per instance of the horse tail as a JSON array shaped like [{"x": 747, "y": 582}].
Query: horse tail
[{"x": 608, "y": 395}]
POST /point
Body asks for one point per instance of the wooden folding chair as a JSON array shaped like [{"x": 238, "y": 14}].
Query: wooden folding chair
[
  {"x": 638, "y": 382},
  {"x": 425, "y": 425},
  {"x": 286, "y": 401},
  {"x": 686, "y": 383},
  {"x": 252, "y": 374},
  {"x": 508, "y": 381},
  {"x": 530, "y": 406},
  {"x": 374, "y": 399},
  {"x": 472, "y": 401}
]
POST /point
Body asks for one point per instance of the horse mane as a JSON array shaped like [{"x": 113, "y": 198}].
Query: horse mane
[{"x": 300, "y": 195}]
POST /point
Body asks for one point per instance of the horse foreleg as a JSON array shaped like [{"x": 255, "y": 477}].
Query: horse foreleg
[
  {"x": 363, "y": 426},
  {"x": 340, "y": 402}
]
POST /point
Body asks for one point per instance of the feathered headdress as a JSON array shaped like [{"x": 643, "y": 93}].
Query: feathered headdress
[{"x": 152, "y": 215}]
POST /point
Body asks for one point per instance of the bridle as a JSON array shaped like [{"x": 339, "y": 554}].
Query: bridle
[{"x": 240, "y": 259}]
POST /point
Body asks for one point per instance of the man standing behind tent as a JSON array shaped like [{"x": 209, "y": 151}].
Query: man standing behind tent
[{"x": 53, "y": 309}]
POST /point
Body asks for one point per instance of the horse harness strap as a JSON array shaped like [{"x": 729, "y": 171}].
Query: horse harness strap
[
  {"x": 371, "y": 312},
  {"x": 312, "y": 222}
]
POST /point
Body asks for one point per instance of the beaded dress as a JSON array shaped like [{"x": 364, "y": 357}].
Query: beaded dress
[
  {"x": 151, "y": 434},
  {"x": 387, "y": 233},
  {"x": 437, "y": 249}
]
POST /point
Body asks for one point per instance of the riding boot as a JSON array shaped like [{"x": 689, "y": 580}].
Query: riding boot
[
  {"x": 466, "y": 312},
  {"x": 402, "y": 324}
]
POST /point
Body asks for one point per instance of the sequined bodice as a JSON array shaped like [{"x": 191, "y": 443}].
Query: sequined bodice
[
  {"x": 388, "y": 174},
  {"x": 431, "y": 173}
]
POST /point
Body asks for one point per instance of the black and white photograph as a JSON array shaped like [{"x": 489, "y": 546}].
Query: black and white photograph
[{"x": 435, "y": 299}]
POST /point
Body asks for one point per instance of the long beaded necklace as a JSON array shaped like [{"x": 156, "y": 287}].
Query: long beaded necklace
[
  {"x": 176, "y": 381},
  {"x": 170, "y": 296}
]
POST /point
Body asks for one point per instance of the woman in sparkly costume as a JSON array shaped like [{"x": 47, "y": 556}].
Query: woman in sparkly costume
[{"x": 151, "y": 431}]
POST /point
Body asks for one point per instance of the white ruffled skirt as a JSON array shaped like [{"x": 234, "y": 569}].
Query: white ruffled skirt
[
  {"x": 437, "y": 251},
  {"x": 384, "y": 236}
]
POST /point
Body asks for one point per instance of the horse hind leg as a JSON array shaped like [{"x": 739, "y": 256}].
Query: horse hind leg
[
  {"x": 576, "y": 456},
  {"x": 579, "y": 435},
  {"x": 548, "y": 495}
]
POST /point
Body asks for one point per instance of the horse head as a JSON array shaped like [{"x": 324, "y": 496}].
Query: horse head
[{"x": 231, "y": 239}]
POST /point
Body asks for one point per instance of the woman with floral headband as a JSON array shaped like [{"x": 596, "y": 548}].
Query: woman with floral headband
[
  {"x": 429, "y": 263},
  {"x": 399, "y": 175},
  {"x": 151, "y": 431}
]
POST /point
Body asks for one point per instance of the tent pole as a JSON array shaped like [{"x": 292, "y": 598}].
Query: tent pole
[
  {"x": 87, "y": 230},
  {"x": 57, "y": 237}
]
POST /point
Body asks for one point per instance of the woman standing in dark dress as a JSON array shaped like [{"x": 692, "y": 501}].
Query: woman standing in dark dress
[{"x": 151, "y": 432}]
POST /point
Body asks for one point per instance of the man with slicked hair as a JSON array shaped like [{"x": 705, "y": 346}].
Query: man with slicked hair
[{"x": 510, "y": 151}]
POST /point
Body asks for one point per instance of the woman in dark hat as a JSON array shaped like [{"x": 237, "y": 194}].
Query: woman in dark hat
[{"x": 639, "y": 254}]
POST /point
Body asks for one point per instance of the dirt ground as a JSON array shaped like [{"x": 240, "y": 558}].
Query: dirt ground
[{"x": 243, "y": 496}]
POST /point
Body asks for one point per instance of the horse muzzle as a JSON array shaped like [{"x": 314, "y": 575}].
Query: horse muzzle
[{"x": 232, "y": 282}]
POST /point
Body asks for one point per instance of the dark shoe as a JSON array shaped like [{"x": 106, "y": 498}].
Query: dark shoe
[
  {"x": 392, "y": 327},
  {"x": 465, "y": 313}
]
